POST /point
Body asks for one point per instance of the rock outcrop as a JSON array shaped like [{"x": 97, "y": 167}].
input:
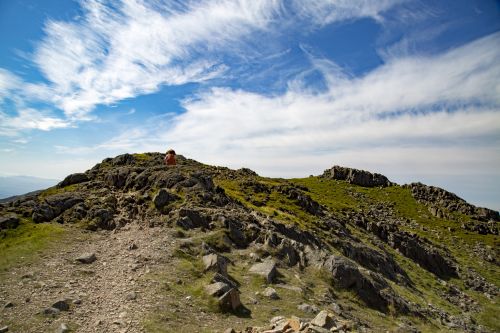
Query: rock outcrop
[
  {"x": 357, "y": 177},
  {"x": 442, "y": 203},
  {"x": 10, "y": 221}
]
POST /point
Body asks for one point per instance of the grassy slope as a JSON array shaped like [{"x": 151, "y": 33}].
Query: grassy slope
[
  {"x": 26, "y": 242},
  {"x": 340, "y": 197},
  {"x": 457, "y": 241}
]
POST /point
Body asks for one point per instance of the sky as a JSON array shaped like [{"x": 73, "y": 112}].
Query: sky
[{"x": 288, "y": 88}]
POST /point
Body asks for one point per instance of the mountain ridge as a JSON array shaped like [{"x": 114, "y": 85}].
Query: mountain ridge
[
  {"x": 345, "y": 231},
  {"x": 11, "y": 186}
]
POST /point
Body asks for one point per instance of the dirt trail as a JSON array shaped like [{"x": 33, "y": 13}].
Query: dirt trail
[{"x": 108, "y": 295}]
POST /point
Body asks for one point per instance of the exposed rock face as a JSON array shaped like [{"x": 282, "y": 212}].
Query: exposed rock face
[
  {"x": 163, "y": 198},
  {"x": 10, "y": 221},
  {"x": 75, "y": 178},
  {"x": 410, "y": 245},
  {"x": 55, "y": 205},
  {"x": 374, "y": 260},
  {"x": 441, "y": 203},
  {"x": 357, "y": 177},
  {"x": 303, "y": 200},
  {"x": 192, "y": 218},
  {"x": 369, "y": 286},
  {"x": 118, "y": 177}
]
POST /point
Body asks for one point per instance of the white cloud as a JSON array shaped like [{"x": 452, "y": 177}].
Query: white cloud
[
  {"x": 323, "y": 12},
  {"x": 134, "y": 48},
  {"x": 28, "y": 119},
  {"x": 422, "y": 115},
  {"x": 8, "y": 83},
  {"x": 408, "y": 110},
  {"x": 119, "y": 50}
]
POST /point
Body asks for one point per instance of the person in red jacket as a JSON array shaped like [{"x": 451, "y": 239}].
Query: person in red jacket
[{"x": 170, "y": 157}]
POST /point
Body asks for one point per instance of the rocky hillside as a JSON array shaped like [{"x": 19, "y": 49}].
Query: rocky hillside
[{"x": 134, "y": 246}]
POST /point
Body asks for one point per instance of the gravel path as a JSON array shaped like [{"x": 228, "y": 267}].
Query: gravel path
[{"x": 112, "y": 294}]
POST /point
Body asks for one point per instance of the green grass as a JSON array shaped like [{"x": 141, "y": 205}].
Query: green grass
[
  {"x": 56, "y": 190},
  {"x": 23, "y": 244},
  {"x": 142, "y": 157},
  {"x": 273, "y": 204},
  {"x": 333, "y": 194}
]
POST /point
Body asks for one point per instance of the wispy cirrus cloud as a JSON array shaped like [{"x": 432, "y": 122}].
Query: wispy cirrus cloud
[
  {"x": 129, "y": 48},
  {"x": 120, "y": 50},
  {"x": 396, "y": 119},
  {"x": 12, "y": 87},
  {"x": 8, "y": 83},
  {"x": 323, "y": 12}
]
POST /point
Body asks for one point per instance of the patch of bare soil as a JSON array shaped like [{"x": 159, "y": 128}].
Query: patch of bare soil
[{"x": 110, "y": 294}]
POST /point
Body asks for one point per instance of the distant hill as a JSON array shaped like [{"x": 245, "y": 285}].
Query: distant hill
[{"x": 16, "y": 185}]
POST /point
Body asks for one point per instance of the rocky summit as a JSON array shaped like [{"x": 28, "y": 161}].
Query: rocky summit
[{"x": 132, "y": 245}]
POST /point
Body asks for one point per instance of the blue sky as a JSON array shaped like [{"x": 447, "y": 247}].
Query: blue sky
[{"x": 409, "y": 89}]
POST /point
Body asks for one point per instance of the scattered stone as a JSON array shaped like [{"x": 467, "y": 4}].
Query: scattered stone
[
  {"x": 308, "y": 308},
  {"x": 271, "y": 293},
  {"x": 217, "y": 288},
  {"x": 63, "y": 328},
  {"x": 61, "y": 305},
  {"x": 77, "y": 301},
  {"x": 277, "y": 320},
  {"x": 230, "y": 330},
  {"x": 4, "y": 329},
  {"x": 131, "y": 296},
  {"x": 230, "y": 300},
  {"x": 118, "y": 322},
  {"x": 216, "y": 263},
  {"x": 222, "y": 278},
  {"x": 267, "y": 269},
  {"x": 317, "y": 329},
  {"x": 87, "y": 258},
  {"x": 336, "y": 308},
  {"x": 295, "y": 323},
  {"x": 132, "y": 246},
  {"x": 8, "y": 305},
  {"x": 323, "y": 319},
  {"x": 253, "y": 300},
  {"x": 51, "y": 312}
]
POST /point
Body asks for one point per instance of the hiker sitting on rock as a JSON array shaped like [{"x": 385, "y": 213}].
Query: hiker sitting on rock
[{"x": 170, "y": 157}]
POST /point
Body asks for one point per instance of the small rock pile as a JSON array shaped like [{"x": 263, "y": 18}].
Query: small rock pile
[{"x": 324, "y": 322}]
